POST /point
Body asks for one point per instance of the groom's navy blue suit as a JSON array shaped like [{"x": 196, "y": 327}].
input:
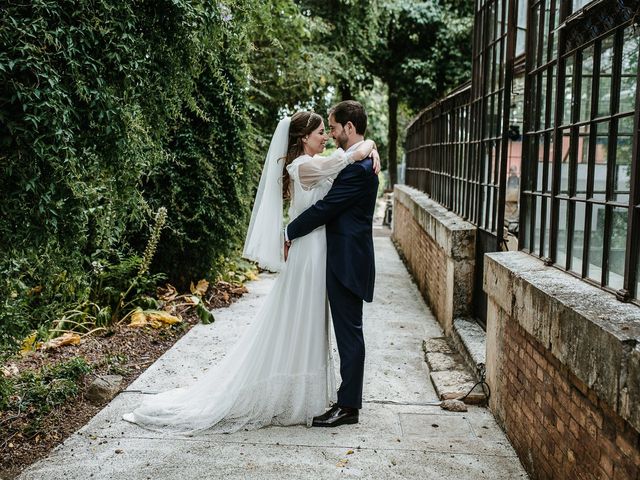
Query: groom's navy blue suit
[{"x": 347, "y": 211}]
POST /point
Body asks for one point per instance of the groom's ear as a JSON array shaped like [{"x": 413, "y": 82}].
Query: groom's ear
[{"x": 351, "y": 127}]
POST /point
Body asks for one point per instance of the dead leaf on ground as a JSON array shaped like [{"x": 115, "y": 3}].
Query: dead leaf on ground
[
  {"x": 69, "y": 338},
  {"x": 168, "y": 294},
  {"x": 138, "y": 319},
  {"x": 239, "y": 290},
  {"x": 201, "y": 288},
  {"x": 153, "y": 318},
  {"x": 29, "y": 344},
  {"x": 342, "y": 463}
]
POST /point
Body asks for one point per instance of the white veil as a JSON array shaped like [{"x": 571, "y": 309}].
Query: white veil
[{"x": 264, "y": 242}]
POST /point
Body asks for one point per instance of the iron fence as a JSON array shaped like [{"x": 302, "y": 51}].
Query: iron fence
[{"x": 578, "y": 207}]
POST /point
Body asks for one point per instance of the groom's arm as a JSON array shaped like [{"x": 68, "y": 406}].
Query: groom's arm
[{"x": 345, "y": 191}]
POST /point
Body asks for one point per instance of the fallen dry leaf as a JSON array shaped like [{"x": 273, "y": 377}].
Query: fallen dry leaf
[
  {"x": 153, "y": 318},
  {"x": 169, "y": 293},
  {"x": 201, "y": 288},
  {"x": 342, "y": 463},
  {"x": 69, "y": 338},
  {"x": 138, "y": 319},
  {"x": 239, "y": 290},
  {"x": 29, "y": 344}
]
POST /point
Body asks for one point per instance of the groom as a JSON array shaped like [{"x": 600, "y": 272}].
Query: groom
[{"x": 347, "y": 212}]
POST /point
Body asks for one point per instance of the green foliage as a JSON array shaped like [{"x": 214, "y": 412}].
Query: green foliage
[
  {"x": 425, "y": 50},
  {"x": 110, "y": 110},
  {"x": 39, "y": 391}
]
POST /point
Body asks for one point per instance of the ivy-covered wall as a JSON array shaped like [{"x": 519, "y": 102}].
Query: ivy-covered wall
[{"x": 109, "y": 110}]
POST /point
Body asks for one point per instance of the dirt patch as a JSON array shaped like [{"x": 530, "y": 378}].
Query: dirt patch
[{"x": 123, "y": 350}]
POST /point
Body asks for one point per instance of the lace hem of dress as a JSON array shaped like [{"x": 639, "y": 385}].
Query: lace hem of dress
[{"x": 279, "y": 401}]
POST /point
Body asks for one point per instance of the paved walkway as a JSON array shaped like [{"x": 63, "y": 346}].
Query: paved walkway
[{"x": 399, "y": 434}]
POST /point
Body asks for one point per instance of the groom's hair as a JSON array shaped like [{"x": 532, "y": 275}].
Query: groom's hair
[{"x": 350, "y": 111}]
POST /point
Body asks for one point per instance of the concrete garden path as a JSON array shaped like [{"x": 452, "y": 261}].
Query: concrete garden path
[{"x": 399, "y": 434}]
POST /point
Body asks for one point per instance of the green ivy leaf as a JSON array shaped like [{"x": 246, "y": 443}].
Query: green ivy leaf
[{"x": 204, "y": 314}]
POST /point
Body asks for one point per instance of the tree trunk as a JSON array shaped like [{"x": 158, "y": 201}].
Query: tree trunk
[
  {"x": 345, "y": 92},
  {"x": 392, "y": 103}
]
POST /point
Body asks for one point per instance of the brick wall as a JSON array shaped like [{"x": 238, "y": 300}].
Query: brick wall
[
  {"x": 424, "y": 258},
  {"x": 558, "y": 426},
  {"x": 562, "y": 363},
  {"x": 439, "y": 250}
]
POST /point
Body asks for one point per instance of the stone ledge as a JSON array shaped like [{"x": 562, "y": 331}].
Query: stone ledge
[
  {"x": 453, "y": 234},
  {"x": 590, "y": 333},
  {"x": 471, "y": 341}
]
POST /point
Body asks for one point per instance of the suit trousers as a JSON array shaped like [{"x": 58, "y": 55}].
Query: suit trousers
[{"x": 346, "y": 311}]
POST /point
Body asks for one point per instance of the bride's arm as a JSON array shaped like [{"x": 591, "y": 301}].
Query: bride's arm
[{"x": 316, "y": 169}]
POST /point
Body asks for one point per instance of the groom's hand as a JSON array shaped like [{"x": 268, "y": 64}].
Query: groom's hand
[{"x": 287, "y": 245}]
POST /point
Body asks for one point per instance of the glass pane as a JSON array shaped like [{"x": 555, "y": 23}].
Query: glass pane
[
  {"x": 583, "y": 161},
  {"x": 586, "y": 84},
  {"x": 552, "y": 80},
  {"x": 534, "y": 25},
  {"x": 547, "y": 226},
  {"x": 564, "y": 166},
  {"x": 638, "y": 279},
  {"x": 491, "y": 12},
  {"x": 543, "y": 100},
  {"x": 549, "y": 164},
  {"x": 535, "y": 175},
  {"x": 561, "y": 251},
  {"x": 578, "y": 237},
  {"x": 594, "y": 268},
  {"x": 629, "y": 77},
  {"x": 535, "y": 205},
  {"x": 524, "y": 229},
  {"x": 600, "y": 169},
  {"x": 578, "y": 4},
  {"x": 617, "y": 248},
  {"x": 606, "y": 70},
  {"x": 545, "y": 33},
  {"x": 568, "y": 93},
  {"x": 622, "y": 181},
  {"x": 554, "y": 34}
]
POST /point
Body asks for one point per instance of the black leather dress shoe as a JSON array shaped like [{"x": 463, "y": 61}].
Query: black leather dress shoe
[{"x": 335, "y": 416}]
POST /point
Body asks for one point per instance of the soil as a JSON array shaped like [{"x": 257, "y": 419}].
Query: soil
[{"x": 124, "y": 350}]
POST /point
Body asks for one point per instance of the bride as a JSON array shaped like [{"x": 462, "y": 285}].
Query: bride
[{"x": 280, "y": 371}]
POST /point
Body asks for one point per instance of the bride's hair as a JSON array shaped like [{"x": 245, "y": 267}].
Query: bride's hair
[{"x": 302, "y": 123}]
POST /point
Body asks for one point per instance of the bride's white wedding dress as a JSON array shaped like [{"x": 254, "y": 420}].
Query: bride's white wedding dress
[{"x": 280, "y": 371}]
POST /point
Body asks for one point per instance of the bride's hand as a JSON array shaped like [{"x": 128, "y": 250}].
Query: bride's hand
[
  {"x": 287, "y": 245},
  {"x": 377, "y": 166}
]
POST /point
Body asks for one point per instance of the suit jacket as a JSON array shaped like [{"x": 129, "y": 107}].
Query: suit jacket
[{"x": 347, "y": 211}]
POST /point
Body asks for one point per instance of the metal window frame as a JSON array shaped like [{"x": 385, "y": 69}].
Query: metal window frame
[{"x": 529, "y": 213}]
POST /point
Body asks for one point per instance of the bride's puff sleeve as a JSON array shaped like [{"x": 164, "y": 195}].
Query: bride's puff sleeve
[{"x": 312, "y": 171}]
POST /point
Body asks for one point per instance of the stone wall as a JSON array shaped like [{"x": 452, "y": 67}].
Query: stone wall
[
  {"x": 439, "y": 250},
  {"x": 563, "y": 363}
]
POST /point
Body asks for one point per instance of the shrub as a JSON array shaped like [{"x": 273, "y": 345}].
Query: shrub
[{"x": 110, "y": 110}]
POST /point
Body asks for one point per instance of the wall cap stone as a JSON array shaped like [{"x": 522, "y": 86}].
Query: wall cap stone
[{"x": 453, "y": 234}]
